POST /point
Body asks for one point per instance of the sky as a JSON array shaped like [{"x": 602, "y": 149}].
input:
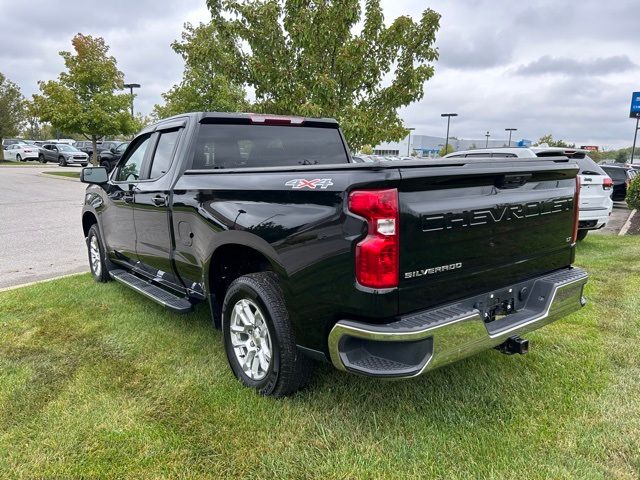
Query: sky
[{"x": 565, "y": 67}]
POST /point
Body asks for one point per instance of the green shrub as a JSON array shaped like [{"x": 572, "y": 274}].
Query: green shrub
[{"x": 633, "y": 193}]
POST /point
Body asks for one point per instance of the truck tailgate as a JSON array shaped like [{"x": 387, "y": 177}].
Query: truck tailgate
[{"x": 470, "y": 228}]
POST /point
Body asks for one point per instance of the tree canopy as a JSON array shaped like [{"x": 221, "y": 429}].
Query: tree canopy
[
  {"x": 84, "y": 98},
  {"x": 332, "y": 58},
  {"x": 446, "y": 149},
  {"x": 549, "y": 140},
  {"x": 12, "y": 108}
]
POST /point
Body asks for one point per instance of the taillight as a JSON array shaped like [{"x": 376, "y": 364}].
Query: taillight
[
  {"x": 607, "y": 183},
  {"x": 576, "y": 212},
  {"x": 378, "y": 254}
]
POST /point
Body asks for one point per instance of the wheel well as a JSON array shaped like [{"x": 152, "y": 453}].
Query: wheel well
[
  {"x": 228, "y": 263},
  {"x": 88, "y": 219}
]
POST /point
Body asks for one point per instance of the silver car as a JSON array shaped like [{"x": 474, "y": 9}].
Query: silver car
[{"x": 62, "y": 154}]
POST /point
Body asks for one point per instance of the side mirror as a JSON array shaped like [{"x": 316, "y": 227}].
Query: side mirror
[
  {"x": 94, "y": 175},
  {"x": 112, "y": 149}
]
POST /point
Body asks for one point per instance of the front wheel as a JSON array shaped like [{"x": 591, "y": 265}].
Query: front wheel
[
  {"x": 582, "y": 234},
  {"x": 258, "y": 337},
  {"x": 98, "y": 261},
  {"x": 62, "y": 161}
]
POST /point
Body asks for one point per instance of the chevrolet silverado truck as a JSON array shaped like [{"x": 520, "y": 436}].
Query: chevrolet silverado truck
[{"x": 385, "y": 269}]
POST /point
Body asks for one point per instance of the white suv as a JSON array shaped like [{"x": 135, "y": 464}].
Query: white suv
[{"x": 595, "y": 185}]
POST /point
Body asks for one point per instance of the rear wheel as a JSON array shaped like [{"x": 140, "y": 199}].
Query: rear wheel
[
  {"x": 42, "y": 159},
  {"x": 98, "y": 262},
  {"x": 62, "y": 161},
  {"x": 582, "y": 234},
  {"x": 19, "y": 158},
  {"x": 258, "y": 337}
]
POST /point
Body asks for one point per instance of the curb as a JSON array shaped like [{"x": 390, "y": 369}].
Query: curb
[
  {"x": 36, "y": 282},
  {"x": 627, "y": 224},
  {"x": 59, "y": 177}
]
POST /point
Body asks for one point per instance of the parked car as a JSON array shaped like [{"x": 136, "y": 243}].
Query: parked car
[
  {"x": 109, "y": 158},
  {"x": 66, "y": 141},
  {"x": 10, "y": 141},
  {"x": 621, "y": 177},
  {"x": 387, "y": 269},
  {"x": 63, "y": 154},
  {"x": 21, "y": 152},
  {"x": 596, "y": 186},
  {"x": 103, "y": 145},
  {"x": 85, "y": 146}
]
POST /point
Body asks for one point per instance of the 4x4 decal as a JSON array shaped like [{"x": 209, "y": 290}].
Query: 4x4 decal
[{"x": 300, "y": 183}]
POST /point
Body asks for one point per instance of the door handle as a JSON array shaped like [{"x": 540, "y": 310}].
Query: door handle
[{"x": 159, "y": 200}]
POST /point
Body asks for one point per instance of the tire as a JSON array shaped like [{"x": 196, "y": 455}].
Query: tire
[
  {"x": 42, "y": 159},
  {"x": 19, "y": 158},
  {"x": 84, "y": 164},
  {"x": 287, "y": 370},
  {"x": 61, "y": 161},
  {"x": 582, "y": 234},
  {"x": 98, "y": 261}
]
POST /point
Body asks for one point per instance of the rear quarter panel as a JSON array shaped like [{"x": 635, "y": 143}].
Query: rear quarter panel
[{"x": 305, "y": 233}]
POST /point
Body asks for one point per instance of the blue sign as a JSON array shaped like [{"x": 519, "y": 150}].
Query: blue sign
[
  {"x": 524, "y": 143},
  {"x": 635, "y": 105}
]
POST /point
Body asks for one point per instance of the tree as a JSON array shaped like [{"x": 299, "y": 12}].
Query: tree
[
  {"x": 445, "y": 151},
  {"x": 202, "y": 91},
  {"x": 303, "y": 58},
  {"x": 83, "y": 99},
  {"x": 366, "y": 150},
  {"x": 12, "y": 109},
  {"x": 549, "y": 140},
  {"x": 621, "y": 156}
]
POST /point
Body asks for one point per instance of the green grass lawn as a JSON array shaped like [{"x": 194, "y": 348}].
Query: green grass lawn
[
  {"x": 11, "y": 163},
  {"x": 96, "y": 381},
  {"x": 64, "y": 174}
]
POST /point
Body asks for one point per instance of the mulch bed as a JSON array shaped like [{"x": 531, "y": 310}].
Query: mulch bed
[{"x": 634, "y": 228}]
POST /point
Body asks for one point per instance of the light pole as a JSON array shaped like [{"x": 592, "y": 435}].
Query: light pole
[
  {"x": 510, "y": 130},
  {"x": 446, "y": 143},
  {"x": 487, "y": 135},
  {"x": 635, "y": 137},
  {"x": 131, "y": 86},
  {"x": 409, "y": 141}
]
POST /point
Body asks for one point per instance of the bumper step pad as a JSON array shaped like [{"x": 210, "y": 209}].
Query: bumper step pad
[
  {"x": 155, "y": 293},
  {"x": 429, "y": 339}
]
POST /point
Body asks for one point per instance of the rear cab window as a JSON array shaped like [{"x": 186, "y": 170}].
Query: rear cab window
[{"x": 229, "y": 146}]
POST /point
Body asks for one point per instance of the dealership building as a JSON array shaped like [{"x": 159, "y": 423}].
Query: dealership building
[{"x": 429, "y": 146}]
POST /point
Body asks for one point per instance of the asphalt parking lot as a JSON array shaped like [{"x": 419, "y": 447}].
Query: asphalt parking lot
[
  {"x": 617, "y": 219},
  {"x": 40, "y": 229}
]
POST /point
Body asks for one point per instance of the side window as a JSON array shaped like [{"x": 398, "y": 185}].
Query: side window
[
  {"x": 129, "y": 170},
  {"x": 164, "y": 153}
]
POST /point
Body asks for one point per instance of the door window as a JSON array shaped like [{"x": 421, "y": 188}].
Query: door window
[
  {"x": 164, "y": 153},
  {"x": 130, "y": 169}
]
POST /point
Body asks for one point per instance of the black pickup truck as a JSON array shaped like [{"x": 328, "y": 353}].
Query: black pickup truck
[{"x": 386, "y": 269}]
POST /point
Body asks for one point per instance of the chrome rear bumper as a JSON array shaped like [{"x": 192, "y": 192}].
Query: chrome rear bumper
[{"x": 432, "y": 338}]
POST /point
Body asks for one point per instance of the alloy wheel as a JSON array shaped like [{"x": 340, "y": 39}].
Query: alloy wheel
[
  {"x": 250, "y": 339},
  {"x": 94, "y": 252}
]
